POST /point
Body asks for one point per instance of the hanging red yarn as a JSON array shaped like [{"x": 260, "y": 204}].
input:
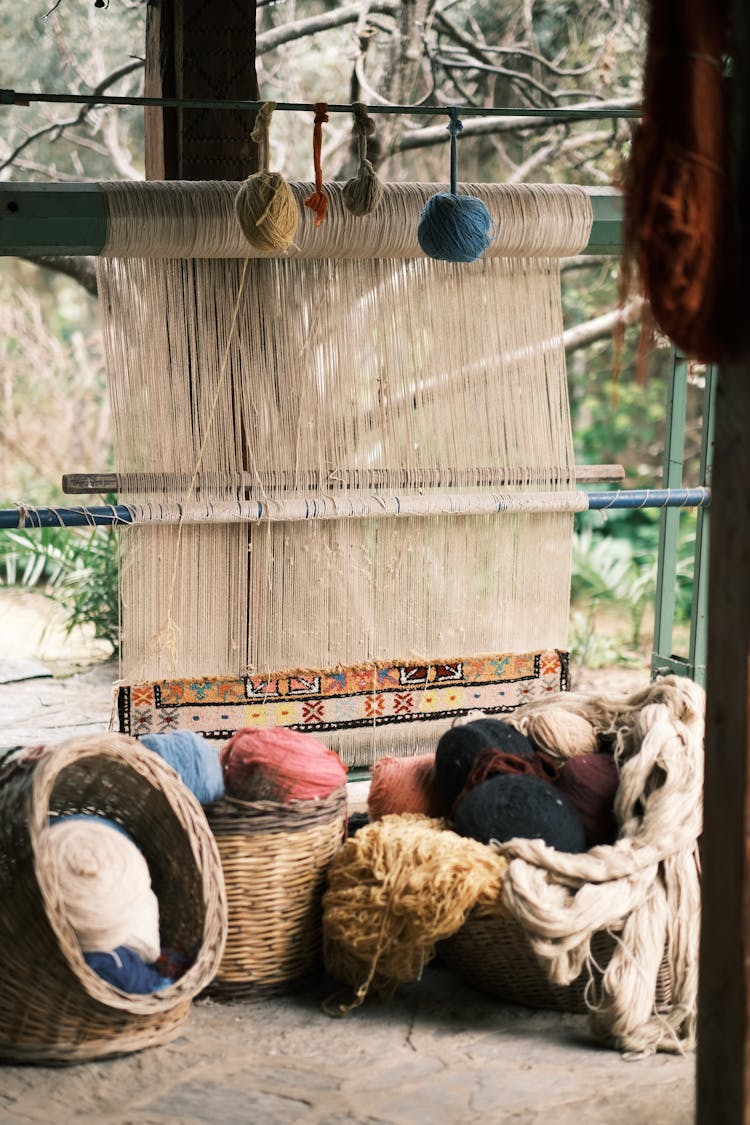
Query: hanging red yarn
[
  {"x": 279, "y": 764},
  {"x": 404, "y": 785},
  {"x": 317, "y": 201},
  {"x": 677, "y": 179}
]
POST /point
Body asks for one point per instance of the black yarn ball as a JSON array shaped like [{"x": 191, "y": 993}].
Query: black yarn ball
[
  {"x": 458, "y": 747},
  {"x": 511, "y": 805}
]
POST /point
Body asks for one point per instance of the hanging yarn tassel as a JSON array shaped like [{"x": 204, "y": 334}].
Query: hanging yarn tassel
[
  {"x": 452, "y": 227},
  {"x": 265, "y": 206},
  {"x": 317, "y": 201},
  {"x": 363, "y": 193}
]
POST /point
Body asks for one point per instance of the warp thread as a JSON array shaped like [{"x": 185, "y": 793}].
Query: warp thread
[
  {"x": 363, "y": 193},
  {"x": 105, "y": 886},
  {"x": 517, "y": 805},
  {"x": 124, "y": 969},
  {"x": 317, "y": 201},
  {"x": 193, "y": 758},
  {"x": 452, "y": 227},
  {"x": 265, "y": 206},
  {"x": 394, "y": 890},
  {"x": 279, "y": 764},
  {"x": 404, "y": 785}
]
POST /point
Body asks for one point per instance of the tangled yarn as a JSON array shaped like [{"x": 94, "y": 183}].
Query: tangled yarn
[
  {"x": 105, "y": 886},
  {"x": 645, "y": 888},
  {"x": 265, "y": 205},
  {"x": 193, "y": 758},
  {"x": 394, "y": 890},
  {"x": 279, "y": 764}
]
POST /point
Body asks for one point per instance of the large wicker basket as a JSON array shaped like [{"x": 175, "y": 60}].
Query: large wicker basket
[
  {"x": 275, "y": 858},
  {"x": 53, "y": 1008},
  {"x": 492, "y": 953}
]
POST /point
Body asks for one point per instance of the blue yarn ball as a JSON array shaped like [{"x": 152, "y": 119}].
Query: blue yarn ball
[
  {"x": 124, "y": 969},
  {"x": 454, "y": 228},
  {"x": 193, "y": 758}
]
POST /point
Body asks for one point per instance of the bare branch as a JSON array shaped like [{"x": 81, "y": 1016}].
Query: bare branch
[
  {"x": 299, "y": 29},
  {"x": 601, "y": 326},
  {"x": 80, "y": 269}
]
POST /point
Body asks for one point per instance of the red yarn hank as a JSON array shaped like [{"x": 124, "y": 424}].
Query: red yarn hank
[
  {"x": 279, "y": 764},
  {"x": 590, "y": 783},
  {"x": 489, "y": 763},
  {"x": 404, "y": 785},
  {"x": 317, "y": 201},
  {"x": 677, "y": 189}
]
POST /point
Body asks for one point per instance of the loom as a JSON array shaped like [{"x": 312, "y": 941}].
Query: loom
[{"x": 383, "y": 385}]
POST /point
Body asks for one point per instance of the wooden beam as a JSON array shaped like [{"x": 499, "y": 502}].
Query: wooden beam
[
  {"x": 200, "y": 49},
  {"x": 41, "y": 219},
  {"x": 723, "y": 1087}
]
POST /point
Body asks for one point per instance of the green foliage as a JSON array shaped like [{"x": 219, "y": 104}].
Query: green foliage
[{"x": 77, "y": 568}]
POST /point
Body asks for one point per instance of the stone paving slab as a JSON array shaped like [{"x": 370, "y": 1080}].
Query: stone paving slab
[{"x": 438, "y": 1053}]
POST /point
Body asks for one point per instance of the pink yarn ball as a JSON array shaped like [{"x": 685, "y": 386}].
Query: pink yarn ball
[
  {"x": 279, "y": 764},
  {"x": 404, "y": 785}
]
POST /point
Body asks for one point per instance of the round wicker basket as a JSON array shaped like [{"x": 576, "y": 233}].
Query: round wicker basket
[
  {"x": 53, "y": 1008},
  {"x": 275, "y": 858}
]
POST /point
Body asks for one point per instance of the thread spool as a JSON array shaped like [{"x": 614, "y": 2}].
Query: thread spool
[
  {"x": 453, "y": 227},
  {"x": 265, "y": 206}
]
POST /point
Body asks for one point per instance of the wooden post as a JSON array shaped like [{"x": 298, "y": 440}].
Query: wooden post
[
  {"x": 200, "y": 49},
  {"x": 723, "y": 1093}
]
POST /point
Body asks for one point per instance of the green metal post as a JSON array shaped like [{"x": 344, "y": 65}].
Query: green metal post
[{"x": 699, "y": 608}]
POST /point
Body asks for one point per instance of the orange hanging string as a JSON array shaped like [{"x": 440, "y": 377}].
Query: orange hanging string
[{"x": 317, "y": 201}]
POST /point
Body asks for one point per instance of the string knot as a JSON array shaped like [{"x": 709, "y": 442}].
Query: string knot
[
  {"x": 363, "y": 193},
  {"x": 317, "y": 201}
]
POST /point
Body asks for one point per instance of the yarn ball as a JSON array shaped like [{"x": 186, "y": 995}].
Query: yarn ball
[
  {"x": 279, "y": 764},
  {"x": 363, "y": 193},
  {"x": 404, "y": 785},
  {"x": 590, "y": 783},
  {"x": 459, "y": 746},
  {"x": 511, "y": 805},
  {"x": 105, "y": 886},
  {"x": 454, "y": 228},
  {"x": 124, "y": 969},
  {"x": 194, "y": 758},
  {"x": 560, "y": 732},
  {"x": 267, "y": 211}
]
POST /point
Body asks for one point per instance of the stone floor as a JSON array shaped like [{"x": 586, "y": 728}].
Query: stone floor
[{"x": 438, "y": 1053}]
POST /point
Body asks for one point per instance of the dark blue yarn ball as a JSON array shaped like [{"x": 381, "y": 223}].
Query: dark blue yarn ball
[
  {"x": 510, "y": 805},
  {"x": 459, "y": 746},
  {"x": 454, "y": 228},
  {"x": 194, "y": 758}
]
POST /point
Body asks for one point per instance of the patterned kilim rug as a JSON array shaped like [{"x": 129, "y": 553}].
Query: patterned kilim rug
[{"x": 362, "y": 711}]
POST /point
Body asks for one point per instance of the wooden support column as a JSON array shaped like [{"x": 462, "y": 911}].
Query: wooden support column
[
  {"x": 200, "y": 49},
  {"x": 723, "y": 1095}
]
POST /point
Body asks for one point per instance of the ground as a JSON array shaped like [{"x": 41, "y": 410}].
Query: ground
[{"x": 438, "y": 1053}]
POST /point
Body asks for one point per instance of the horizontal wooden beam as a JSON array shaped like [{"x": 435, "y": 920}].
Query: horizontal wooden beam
[{"x": 37, "y": 220}]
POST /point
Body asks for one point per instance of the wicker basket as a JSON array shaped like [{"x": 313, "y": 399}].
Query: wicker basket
[
  {"x": 53, "y": 1008},
  {"x": 493, "y": 954},
  {"x": 275, "y": 858}
]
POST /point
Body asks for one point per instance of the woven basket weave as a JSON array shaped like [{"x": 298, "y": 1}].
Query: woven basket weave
[
  {"x": 275, "y": 858},
  {"x": 53, "y": 1008},
  {"x": 493, "y": 954}
]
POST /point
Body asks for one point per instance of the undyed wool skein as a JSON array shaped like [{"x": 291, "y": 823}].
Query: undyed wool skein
[
  {"x": 279, "y": 764},
  {"x": 363, "y": 193},
  {"x": 105, "y": 886},
  {"x": 265, "y": 206},
  {"x": 561, "y": 732}
]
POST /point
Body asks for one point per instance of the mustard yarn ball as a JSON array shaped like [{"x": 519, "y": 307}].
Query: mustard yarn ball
[{"x": 267, "y": 211}]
